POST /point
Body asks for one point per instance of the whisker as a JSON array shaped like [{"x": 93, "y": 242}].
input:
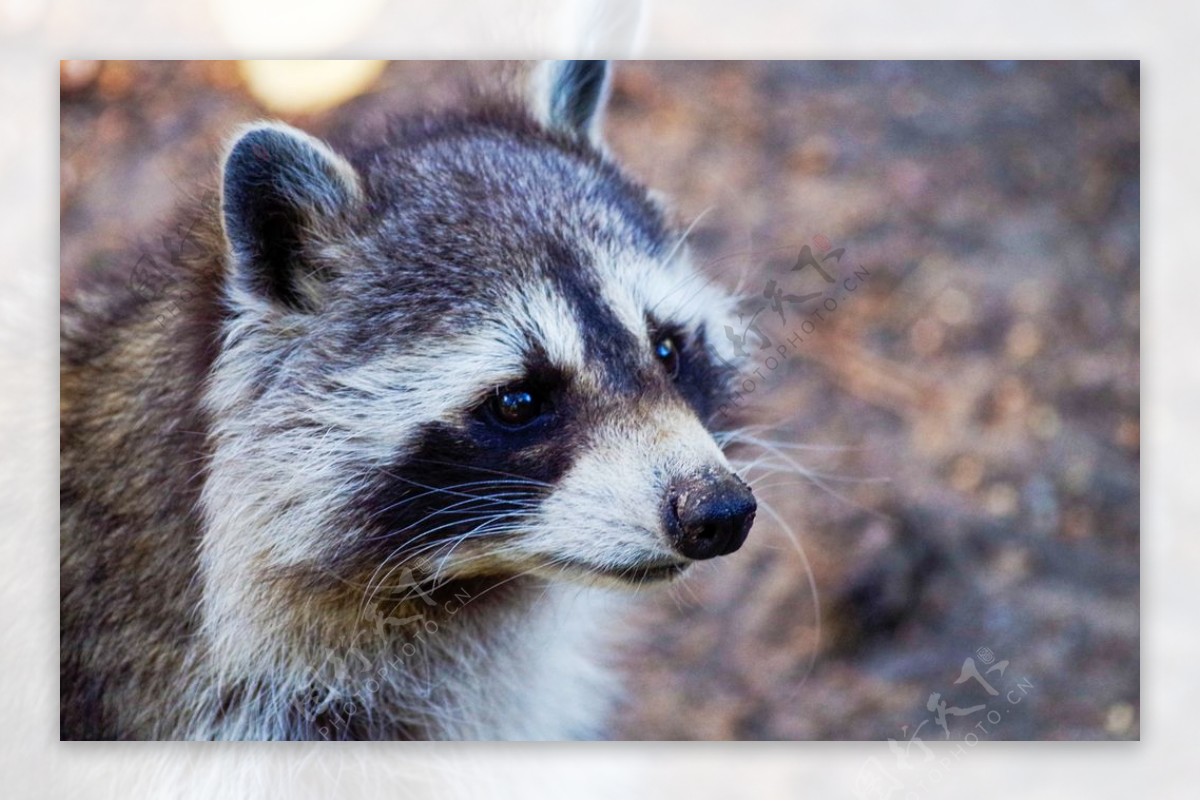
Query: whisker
[
  {"x": 812, "y": 584},
  {"x": 820, "y": 482},
  {"x": 492, "y": 471}
]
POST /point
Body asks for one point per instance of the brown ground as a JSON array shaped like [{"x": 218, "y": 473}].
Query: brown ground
[{"x": 973, "y": 403}]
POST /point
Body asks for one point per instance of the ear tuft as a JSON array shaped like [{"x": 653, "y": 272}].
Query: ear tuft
[
  {"x": 570, "y": 96},
  {"x": 282, "y": 191}
]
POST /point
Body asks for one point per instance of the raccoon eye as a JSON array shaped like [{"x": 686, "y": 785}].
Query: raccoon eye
[
  {"x": 666, "y": 350},
  {"x": 516, "y": 406}
]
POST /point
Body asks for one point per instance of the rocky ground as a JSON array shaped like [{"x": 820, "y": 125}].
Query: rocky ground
[{"x": 948, "y": 457}]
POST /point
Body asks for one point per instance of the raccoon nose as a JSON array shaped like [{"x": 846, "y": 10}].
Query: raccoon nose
[{"x": 709, "y": 515}]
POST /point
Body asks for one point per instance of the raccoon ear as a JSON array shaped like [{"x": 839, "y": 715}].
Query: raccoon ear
[
  {"x": 570, "y": 96},
  {"x": 282, "y": 192}
]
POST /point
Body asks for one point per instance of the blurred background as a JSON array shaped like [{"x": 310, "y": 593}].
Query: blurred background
[{"x": 950, "y": 456}]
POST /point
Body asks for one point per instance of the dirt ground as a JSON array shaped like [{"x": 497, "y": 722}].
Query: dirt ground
[{"x": 948, "y": 456}]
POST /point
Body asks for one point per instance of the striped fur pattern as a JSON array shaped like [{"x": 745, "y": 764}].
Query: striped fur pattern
[{"x": 288, "y": 510}]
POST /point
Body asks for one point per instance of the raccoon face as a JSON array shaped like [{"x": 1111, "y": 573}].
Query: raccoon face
[{"x": 477, "y": 350}]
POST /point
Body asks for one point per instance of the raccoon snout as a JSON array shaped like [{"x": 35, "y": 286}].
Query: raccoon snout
[{"x": 709, "y": 515}]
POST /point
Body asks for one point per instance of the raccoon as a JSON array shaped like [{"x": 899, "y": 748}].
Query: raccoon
[{"x": 368, "y": 457}]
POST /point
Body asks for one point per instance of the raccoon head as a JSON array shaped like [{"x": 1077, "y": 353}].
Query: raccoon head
[{"x": 475, "y": 350}]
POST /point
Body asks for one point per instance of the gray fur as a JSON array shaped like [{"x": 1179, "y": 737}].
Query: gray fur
[{"x": 275, "y": 473}]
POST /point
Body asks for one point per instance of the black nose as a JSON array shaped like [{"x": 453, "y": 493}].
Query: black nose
[{"x": 709, "y": 515}]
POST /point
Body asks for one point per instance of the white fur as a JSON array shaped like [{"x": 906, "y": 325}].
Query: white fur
[{"x": 270, "y": 503}]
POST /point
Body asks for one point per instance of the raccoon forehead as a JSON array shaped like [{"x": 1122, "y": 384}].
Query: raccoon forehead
[
  {"x": 489, "y": 189},
  {"x": 575, "y": 320},
  {"x": 539, "y": 319},
  {"x": 668, "y": 292},
  {"x": 471, "y": 350}
]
